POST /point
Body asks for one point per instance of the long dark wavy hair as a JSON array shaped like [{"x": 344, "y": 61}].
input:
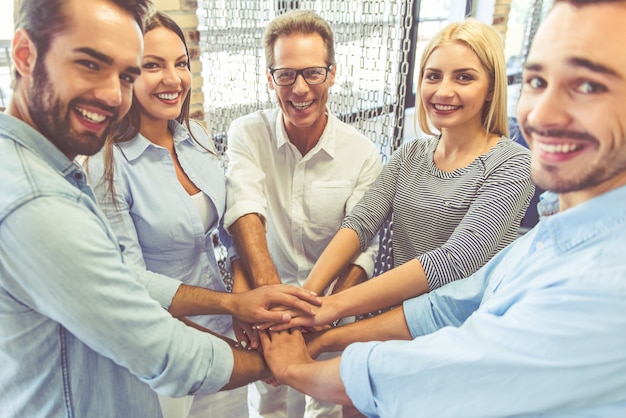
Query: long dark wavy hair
[{"x": 128, "y": 127}]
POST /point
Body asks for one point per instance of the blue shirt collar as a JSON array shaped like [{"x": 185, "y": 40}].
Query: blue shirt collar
[
  {"x": 134, "y": 148},
  {"x": 583, "y": 222},
  {"x": 31, "y": 139}
]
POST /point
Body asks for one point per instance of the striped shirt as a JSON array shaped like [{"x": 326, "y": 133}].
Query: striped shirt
[{"x": 453, "y": 222}]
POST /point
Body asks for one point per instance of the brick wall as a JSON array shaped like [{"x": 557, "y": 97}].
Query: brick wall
[
  {"x": 184, "y": 13},
  {"x": 501, "y": 16}
]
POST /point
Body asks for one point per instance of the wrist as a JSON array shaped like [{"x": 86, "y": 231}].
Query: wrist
[{"x": 332, "y": 307}]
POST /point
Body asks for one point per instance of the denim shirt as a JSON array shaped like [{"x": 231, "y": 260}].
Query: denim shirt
[
  {"x": 157, "y": 221},
  {"x": 79, "y": 335},
  {"x": 540, "y": 330}
]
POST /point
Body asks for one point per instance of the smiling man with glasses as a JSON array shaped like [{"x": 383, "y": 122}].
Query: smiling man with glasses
[
  {"x": 294, "y": 172},
  {"x": 312, "y": 75}
]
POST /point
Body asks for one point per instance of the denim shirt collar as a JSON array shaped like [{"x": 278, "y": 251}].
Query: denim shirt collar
[
  {"x": 31, "y": 139},
  {"x": 134, "y": 148},
  {"x": 583, "y": 222}
]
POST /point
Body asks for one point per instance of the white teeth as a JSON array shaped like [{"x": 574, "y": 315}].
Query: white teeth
[
  {"x": 559, "y": 148},
  {"x": 445, "y": 107},
  {"x": 302, "y": 105},
  {"x": 167, "y": 96},
  {"x": 91, "y": 116}
]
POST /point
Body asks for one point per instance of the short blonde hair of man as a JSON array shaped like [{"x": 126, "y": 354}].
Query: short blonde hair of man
[{"x": 298, "y": 21}]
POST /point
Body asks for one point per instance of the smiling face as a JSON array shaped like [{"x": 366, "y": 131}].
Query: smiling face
[
  {"x": 572, "y": 108},
  {"x": 454, "y": 88},
  {"x": 165, "y": 78},
  {"x": 83, "y": 84},
  {"x": 303, "y": 106}
]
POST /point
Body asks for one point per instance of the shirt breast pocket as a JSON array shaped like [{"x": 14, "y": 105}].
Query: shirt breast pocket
[{"x": 327, "y": 203}]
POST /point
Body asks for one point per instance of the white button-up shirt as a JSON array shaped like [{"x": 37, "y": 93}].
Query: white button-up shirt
[{"x": 303, "y": 199}]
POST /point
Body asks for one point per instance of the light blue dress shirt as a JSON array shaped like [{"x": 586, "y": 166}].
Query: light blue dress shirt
[
  {"x": 156, "y": 220},
  {"x": 538, "y": 331},
  {"x": 79, "y": 336}
]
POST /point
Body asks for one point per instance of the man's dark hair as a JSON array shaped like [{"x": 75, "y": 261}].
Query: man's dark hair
[{"x": 43, "y": 19}]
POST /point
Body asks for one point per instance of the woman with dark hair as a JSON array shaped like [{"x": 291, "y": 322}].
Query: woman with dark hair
[{"x": 161, "y": 184}]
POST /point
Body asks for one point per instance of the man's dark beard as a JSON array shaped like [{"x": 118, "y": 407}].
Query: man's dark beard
[{"x": 52, "y": 117}]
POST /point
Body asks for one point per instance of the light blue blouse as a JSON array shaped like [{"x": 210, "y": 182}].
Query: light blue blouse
[
  {"x": 539, "y": 330},
  {"x": 156, "y": 220}
]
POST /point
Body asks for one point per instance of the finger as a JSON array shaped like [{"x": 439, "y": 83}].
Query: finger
[
  {"x": 295, "y": 322},
  {"x": 255, "y": 343},
  {"x": 303, "y": 294},
  {"x": 296, "y": 303},
  {"x": 265, "y": 339}
]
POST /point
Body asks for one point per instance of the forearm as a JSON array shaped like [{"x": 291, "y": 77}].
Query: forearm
[
  {"x": 249, "y": 235},
  {"x": 342, "y": 250},
  {"x": 241, "y": 281},
  {"x": 350, "y": 277},
  {"x": 249, "y": 366},
  {"x": 192, "y": 300},
  {"x": 385, "y": 291},
  {"x": 320, "y": 379},
  {"x": 390, "y": 325}
]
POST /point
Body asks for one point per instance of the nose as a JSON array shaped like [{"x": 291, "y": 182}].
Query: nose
[
  {"x": 171, "y": 77},
  {"x": 109, "y": 90},
  {"x": 300, "y": 86},
  {"x": 446, "y": 88},
  {"x": 545, "y": 108}
]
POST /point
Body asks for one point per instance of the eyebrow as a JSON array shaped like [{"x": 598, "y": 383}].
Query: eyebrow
[
  {"x": 458, "y": 70},
  {"x": 105, "y": 59},
  {"x": 595, "y": 67},
  {"x": 582, "y": 63},
  {"x": 158, "y": 58}
]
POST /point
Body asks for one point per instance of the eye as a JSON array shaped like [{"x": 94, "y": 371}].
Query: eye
[
  {"x": 535, "y": 82},
  {"x": 590, "y": 87},
  {"x": 465, "y": 77},
  {"x": 149, "y": 65},
  {"x": 89, "y": 64},
  {"x": 314, "y": 71},
  {"x": 182, "y": 64},
  {"x": 284, "y": 75},
  {"x": 432, "y": 76},
  {"x": 128, "y": 78}
]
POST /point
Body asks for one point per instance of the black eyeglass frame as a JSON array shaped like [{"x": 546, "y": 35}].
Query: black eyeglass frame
[{"x": 300, "y": 72}]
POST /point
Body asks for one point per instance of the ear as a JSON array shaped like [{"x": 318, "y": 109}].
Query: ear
[
  {"x": 489, "y": 95},
  {"x": 270, "y": 80},
  {"x": 23, "y": 53},
  {"x": 331, "y": 76}
]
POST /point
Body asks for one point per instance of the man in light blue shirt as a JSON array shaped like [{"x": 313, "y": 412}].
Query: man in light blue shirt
[
  {"x": 79, "y": 334},
  {"x": 541, "y": 328}
]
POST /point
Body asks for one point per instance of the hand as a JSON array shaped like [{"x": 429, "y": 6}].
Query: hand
[
  {"x": 283, "y": 349},
  {"x": 314, "y": 343},
  {"x": 255, "y": 305},
  {"x": 247, "y": 337},
  {"x": 324, "y": 315}
]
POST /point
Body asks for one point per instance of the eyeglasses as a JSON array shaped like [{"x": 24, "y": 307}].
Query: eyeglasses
[{"x": 288, "y": 76}]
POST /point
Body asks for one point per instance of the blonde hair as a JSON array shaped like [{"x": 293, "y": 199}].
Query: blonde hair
[
  {"x": 298, "y": 21},
  {"x": 488, "y": 46}
]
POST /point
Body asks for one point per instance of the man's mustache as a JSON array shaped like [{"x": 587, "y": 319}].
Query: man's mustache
[{"x": 558, "y": 133}]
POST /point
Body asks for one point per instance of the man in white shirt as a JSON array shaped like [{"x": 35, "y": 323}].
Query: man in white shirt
[{"x": 294, "y": 172}]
